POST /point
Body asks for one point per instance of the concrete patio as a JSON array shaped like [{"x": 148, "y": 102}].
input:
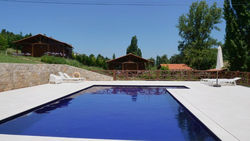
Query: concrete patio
[{"x": 224, "y": 110}]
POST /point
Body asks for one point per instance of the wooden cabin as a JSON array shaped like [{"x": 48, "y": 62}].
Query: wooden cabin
[
  {"x": 128, "y": 62},
  {"x": 40, "y": 45}
]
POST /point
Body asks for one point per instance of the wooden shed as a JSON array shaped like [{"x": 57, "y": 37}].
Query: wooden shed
[
  {"x": 40, "y": 45},
  {"x": 128, "y": 62}
]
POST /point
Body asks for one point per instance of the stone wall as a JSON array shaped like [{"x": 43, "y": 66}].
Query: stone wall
[{"x": 14, "y": 76}]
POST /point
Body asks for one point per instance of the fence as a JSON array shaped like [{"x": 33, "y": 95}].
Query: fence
[{"x": 174, "y": 75}]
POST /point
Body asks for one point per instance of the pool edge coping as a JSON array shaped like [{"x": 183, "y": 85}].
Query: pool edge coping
[
  {"x": 182, "y": 100},
  {"x": 210, "y": 124}
]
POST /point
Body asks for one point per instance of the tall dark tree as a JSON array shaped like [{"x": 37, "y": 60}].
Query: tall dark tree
[
  {"x": 158, "y": 60},
  {"x": 237, "y": 40},
  {"x": 113, "y": 57},
  {"x": 195, "y": 30},
  {"x": 161, "y": 60},
  {"x": 164, "y": 59},
  {"x": 133, "y": 47}
]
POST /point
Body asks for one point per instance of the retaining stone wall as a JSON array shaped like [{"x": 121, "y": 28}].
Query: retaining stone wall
[{"x": 14, "y": 76}]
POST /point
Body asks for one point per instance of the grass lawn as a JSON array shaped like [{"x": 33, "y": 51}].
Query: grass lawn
[
  {"x": 8, "y": 58},
  {"x": 18, "y": 59}
]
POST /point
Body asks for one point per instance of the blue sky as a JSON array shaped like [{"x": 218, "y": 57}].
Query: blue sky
[{"x": 103, "y": 29}]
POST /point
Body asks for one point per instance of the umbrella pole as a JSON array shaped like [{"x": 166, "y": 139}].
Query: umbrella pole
[{"x": 217, "y": 85}]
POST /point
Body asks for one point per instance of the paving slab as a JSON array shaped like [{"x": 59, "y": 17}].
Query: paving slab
[{"x": 223, "y": 110}]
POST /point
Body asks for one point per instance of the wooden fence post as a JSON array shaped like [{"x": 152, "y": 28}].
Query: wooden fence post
[
  {"x": 181, "y": 75},
  {"x": 126, "y": 75},
  {"x": 149, "y": 76},
  {"x": 157, "y": 74},
  {"x": 248, "y": 78},
  {"x": 114, "y": 74}
]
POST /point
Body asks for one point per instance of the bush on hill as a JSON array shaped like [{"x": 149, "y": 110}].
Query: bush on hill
[{"x": 59, "y": 60}]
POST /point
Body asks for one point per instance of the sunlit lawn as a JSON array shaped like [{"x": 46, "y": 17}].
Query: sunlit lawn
[{"x": 7, "y": 58}]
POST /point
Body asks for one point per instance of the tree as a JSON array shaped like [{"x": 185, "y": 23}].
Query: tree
[
  {"x": 195, "y": 29},
  {"x": 237, "y": 39},
  {"x": 176, "y": 59},
  {"x": 158, "y": 60},
  {"x": 10, "y": 37},
  {"x": 161, "y": 60},
  {"x": 100, "y": 61},
  {"x": 113, "y": 56},
  {"x": 152, "y": 63},
  {"x": 92, "y": 60},
  {"x": 164, "y": 59},
  {"x": 133, "y": 47},
  {"x": 3, "y": 43},
  {"x": 201, "y": 60}
]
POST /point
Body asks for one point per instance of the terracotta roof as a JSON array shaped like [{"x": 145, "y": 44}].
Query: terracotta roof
[{"x": 176, "y": 66}]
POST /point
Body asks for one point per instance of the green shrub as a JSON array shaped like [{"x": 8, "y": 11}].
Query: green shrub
[
  {"x": 53, "y": 60},
  {"x": 60, "y": 60},
  {"x": 164, "y": 68},
  {"x": 73, "y": 63}
]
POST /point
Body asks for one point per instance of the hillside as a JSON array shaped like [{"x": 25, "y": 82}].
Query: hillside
[{"x": 7, "y": 57}]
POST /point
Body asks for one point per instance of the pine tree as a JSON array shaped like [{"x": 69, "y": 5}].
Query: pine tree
[{"x": 133, "y": 47}]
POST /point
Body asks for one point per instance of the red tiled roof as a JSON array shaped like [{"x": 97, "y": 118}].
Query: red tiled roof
[{"x": 176, "y": 66}]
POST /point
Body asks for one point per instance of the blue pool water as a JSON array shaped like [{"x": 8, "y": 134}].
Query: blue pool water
[{"x": 115, "y": 112}]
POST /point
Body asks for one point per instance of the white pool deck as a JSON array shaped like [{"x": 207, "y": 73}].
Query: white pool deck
[{"x": 225, "y": 110}]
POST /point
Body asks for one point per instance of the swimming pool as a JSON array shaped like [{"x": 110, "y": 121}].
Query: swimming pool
[{"x": 113, "y": 112}]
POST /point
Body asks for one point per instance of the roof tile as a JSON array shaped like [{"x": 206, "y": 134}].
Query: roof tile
[{"x": 176, "y": 66}]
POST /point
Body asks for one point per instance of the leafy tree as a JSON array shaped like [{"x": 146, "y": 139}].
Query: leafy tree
[
  {"x": 176, "y": 59},
  {"x": 237, "y": 39},
  {"x": 164, "y": 59},
  {"x": 100, "y": 61},
  {"x": 113, "y": 56},
  {"x": 195, "y": 29},
  {"x": 133, "y": 47},
  {"x": 161, "y": 60},
  {"x": 91, "y": 60},
  {"x": 152, "y": 64},
  {"x": 3, "y": 43},
  {"x": 10, "y": 37},
  {"x": 201, "y": 60}
]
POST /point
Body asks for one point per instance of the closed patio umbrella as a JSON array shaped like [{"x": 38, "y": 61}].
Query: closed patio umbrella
[{"x": 219, "y": 64}]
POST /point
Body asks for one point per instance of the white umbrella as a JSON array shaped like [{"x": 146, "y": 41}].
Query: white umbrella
[{"x": 219, "y": 64}]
